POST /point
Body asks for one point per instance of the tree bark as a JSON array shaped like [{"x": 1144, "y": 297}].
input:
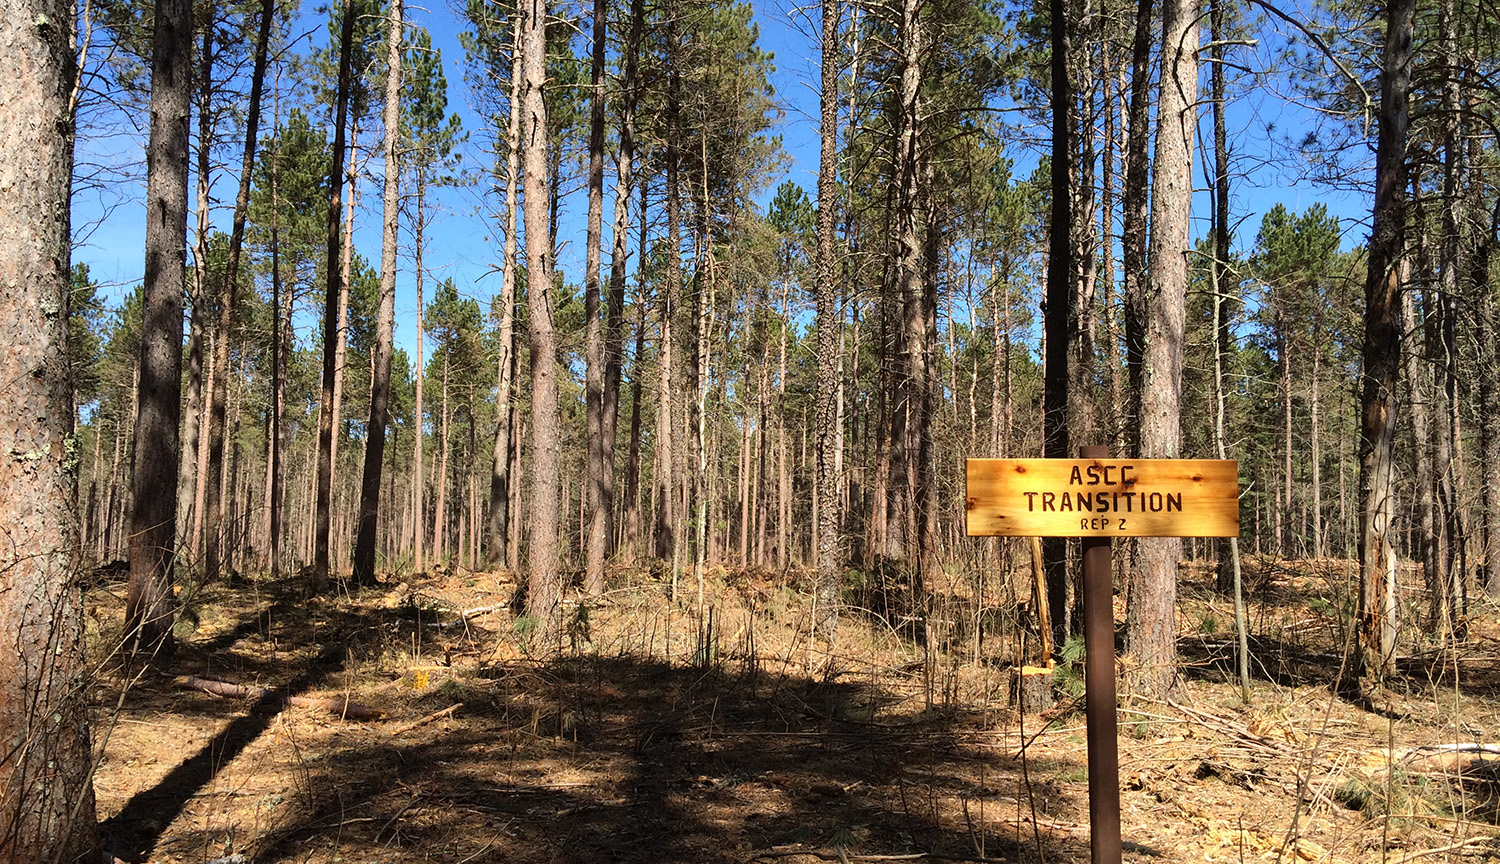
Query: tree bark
[
  {"x": 500, "y": 476},
  {"x": 826, "y": 592},
  {"x": 380, "y": 378},
  {"x": 908, "y": 260},
  {"x": 1134, "y": 219},
  {"x": 614, "y": 328},
  {"x": 544, "y": 583},
  {"x": 153, "y": 518},
  {"x": 1381, "y": 351},
  {"x": 1060, "y": 315},
  {"x": 440, "y": 512},
  {"x": 1151, "y": 622},
  {"x": 229, "y": 294},
  {"x": 190, "y": 477},
  {"x": 331, "y": 332},
  {"x": 46, "y": 797},
  {"x": 597, "y": 530},
  {"x": 419, "y": 477},
  {"x": 1489, "y": 403}
]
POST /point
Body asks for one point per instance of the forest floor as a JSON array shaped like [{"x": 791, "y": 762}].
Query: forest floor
[{"x": 664, "y": 736}]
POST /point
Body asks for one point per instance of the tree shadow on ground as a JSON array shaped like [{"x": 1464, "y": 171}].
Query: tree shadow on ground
[{"x": 632, "y": 760}]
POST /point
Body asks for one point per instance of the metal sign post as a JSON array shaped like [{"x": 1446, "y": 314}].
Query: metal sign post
[{"x": 1097, "y": 498}]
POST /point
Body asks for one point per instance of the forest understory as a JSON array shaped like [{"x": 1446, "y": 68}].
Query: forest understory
[{"x": 709, "y": 730}]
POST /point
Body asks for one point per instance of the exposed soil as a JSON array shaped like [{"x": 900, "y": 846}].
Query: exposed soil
[{"x": 663, "y": 737}]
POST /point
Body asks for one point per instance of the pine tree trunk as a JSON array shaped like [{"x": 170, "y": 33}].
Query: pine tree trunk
[
  {"x": 1420, "y": 392},
  {"x": 1134, "y": 220},
  {"x": 907, "y": 256},
  {"x": 1382, "y": 355},
  {"x": 500, "y": 475},
  {"x": 544, "y": 583},
  {"x": 153, "y": 518},
  {"x": 419, "y": 478},
  {"x": 440, "y": 512},
  {"x": 1061, "y": 315},
  {"x": 46, "y": 798},
  {"x": 596, "y": 539},
  {"x": 826, "y": 591},
  {"x": 1489, "y": 406},
  {"x": 337, "y": 542},
  {"x": 1151, "y": 622},
  {"x": 190, "y": 479},
  {"x": 229, "y": 293},
  {"x": 380, "y": 376},
  {"x": 615, "y": 325},
  {"x": 331, "y": 332},
  {"x": 667, "y": 540},
  {"x": 783, "y": 480}
]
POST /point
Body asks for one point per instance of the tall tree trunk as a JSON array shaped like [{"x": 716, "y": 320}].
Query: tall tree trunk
[
  {"x": 596, "y": 532},
  {"x": 1227, "y": 548},
  {"x": 544, "y": 583},
  {"x": 1284, "y": 365},
  {"x": 419, "y": 478},
  {"x": 153, "y": 517},
  {"x": 1060, "y": 314},
  {"x": 826, "y": 592},
  {"x": 500, "y": 476},
  {"x": 190, "y": 480},
  {"x": 1226, "y": 554},
  {"x": 331, "y": 332},
  {"x": 229, "y": 294},
  {"x": 1447, "y": 583},
  {"x": 1084, "y": 237},
  {"x": 667, "y": 539},
  {"x": 440, "y": 512},
  {"x": 1489, "y": 403},
  {"x": 1151, "y": 622},
  {"x": 46, "y": 798},
  {"x": 1381, "y": 352},
  {"x": 380, "y": 378},
  {"x": 614, "y": 329},
  {"x": 1134, "y": 219},
  {"x": 908, "y": 258},
  {"x": 1420, "y": 391},
  {"x": 281, "y": 301},
  {"x": 337, "y": 542}
]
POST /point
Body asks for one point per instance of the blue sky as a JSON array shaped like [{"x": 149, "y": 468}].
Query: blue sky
[{"x": 462, "y": 246}]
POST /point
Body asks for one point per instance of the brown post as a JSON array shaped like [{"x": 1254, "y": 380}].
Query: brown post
[{"x": 1099, "y": 684}]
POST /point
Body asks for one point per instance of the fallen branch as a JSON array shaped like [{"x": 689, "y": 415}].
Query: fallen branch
[
  {"x": 341, "y": 707},
  {"x": 436, "y": 715},
  {"x": 841, "y": 855},
  {"x": 1451, "y": 847}
]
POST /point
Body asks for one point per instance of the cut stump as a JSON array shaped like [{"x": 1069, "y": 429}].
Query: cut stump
[{"x": 1031, "y": 689}]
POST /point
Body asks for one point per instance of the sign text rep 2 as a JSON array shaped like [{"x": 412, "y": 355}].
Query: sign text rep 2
[{"x": 1103, "y": 498}]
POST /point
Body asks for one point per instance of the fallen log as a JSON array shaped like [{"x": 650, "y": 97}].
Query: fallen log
[{"x": 340, "y": 707}]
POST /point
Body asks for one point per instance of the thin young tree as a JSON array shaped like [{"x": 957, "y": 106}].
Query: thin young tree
[
  {"x": 46, "y": 798},
  {"x": 619, "y": 256},
  {"x": 229, "y": 297},
  {"x": 597, "y": 541},
  {"x": 149, "y": 605}
]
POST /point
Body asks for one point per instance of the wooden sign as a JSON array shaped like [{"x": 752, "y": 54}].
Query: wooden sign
[{"x": 1103, "y": 498}]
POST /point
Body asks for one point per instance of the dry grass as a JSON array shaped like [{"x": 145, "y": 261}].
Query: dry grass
[{"x": 666, "y": 735}]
